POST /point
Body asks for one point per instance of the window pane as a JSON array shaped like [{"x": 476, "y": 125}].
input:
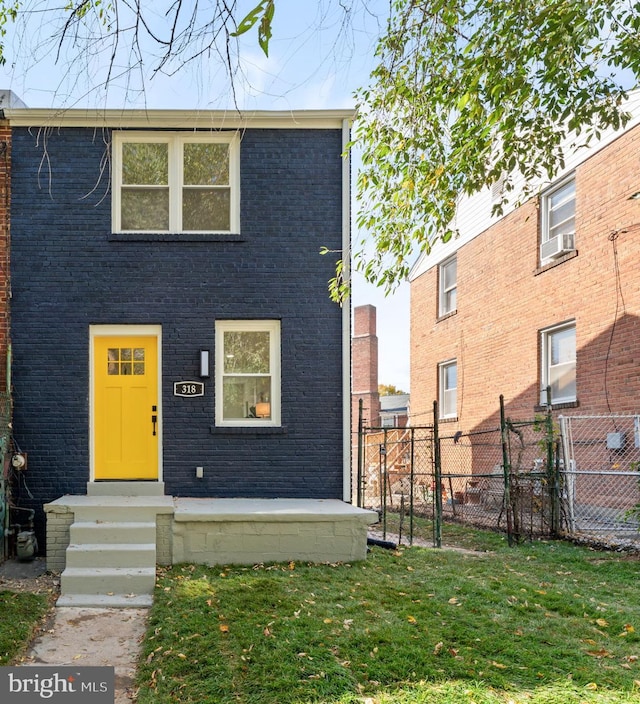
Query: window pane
[
  {"x": 450, "y": 272},
  {"x": 246, "y": 352},
  {"x": 563, "y": 194},
  {"x": 563, "y": 346},
  {"x": 145, "y": 163},
  {"x": 145, "y": 209},
  {"x": 206, "y": 164},
  {"x": 560, "y": 365},
  {"x": 450, "y": 403},
  {"x": 246, "y": 397},
  {"x": 449, "y": 302},
  {"x": 560, "y": 211},
  {"x": 562, "y": 380},
  {"x": 206, "y": 210},
  {"x": 448, "y": 390},
  {"x": 451, "y": 376}
]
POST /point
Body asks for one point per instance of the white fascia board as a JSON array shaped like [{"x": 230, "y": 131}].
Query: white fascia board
[{"x": 178, "y": 119}]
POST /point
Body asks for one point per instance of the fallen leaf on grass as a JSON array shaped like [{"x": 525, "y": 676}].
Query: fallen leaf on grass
[
  {"x": 224, "y": 628},
  {"x": 602, "y": 653},
  {"x": 602, "y": 622},
  {"x": 412, "y": 619},
  {"x": 437, "y": 648},
  {"x": 592, "y": 686},
  {"x": 499, "y": 665}
]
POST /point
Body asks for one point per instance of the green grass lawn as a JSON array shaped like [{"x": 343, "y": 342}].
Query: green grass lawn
[
  {"x": 20, "y": 614},
  {"x": 544, "y": 623}
]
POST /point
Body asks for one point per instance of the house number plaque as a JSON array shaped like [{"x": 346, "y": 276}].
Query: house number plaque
[{"x": 187, "y": 389}]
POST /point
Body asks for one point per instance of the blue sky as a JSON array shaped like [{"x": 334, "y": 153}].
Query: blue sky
[{"x": 316, "y": 61}]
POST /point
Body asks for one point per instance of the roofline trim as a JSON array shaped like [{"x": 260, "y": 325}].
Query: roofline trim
[{"x": 178, "y": 119}]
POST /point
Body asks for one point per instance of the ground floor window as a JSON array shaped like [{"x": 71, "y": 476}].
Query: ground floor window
[
  {"x": 558, "y": 367},
  {"x": 448, "y": 389},
  {"x": 247, "y": 372}
]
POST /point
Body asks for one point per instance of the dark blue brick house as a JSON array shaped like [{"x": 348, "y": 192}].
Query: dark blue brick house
[{"x": 170, "y": 319}]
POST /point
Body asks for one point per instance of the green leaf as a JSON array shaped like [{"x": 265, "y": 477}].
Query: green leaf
[{"x": 262, "y": 12}]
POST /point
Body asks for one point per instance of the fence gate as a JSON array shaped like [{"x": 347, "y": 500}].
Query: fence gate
[{"x": 600, "y": 478}]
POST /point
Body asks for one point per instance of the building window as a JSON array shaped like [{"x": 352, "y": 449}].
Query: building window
[
  {"x": 559, "y": 363},
  {"x": 558, "y": 221},
  {"x": 448, "y": 277},
  {"x": 176, "y": 182},
  {"x": 448, "y": 389},
  {"x": 247, "y": 373}
]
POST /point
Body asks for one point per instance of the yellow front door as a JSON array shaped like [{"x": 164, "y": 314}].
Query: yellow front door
[{"x": 125, "y": 418}]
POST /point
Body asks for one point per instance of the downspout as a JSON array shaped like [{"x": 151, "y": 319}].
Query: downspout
[{"x": 346, "y": 314}]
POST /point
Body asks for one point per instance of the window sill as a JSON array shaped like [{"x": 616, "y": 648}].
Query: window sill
[
  {"x": 248, "y": 430},
  {"x": 556, "y": 406},
  {"x": 447, "y": 315},
  {"x": 555, "y": 262},
  {"x": 450, "y": 419},
  {"x": 174, "y": 237}
]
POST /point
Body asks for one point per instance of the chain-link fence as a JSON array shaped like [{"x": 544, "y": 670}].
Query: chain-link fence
[
  {"x": 500, "y": 478},
  {"x": 601, "y": 478},
  {"x": 396, "y": 475},
  {"x": 579, "y": 478}
]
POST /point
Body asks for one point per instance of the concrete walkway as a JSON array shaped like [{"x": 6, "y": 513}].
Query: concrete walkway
[
  {"x": 98, "y": 637},
  {"x": 81, "y": 636}
]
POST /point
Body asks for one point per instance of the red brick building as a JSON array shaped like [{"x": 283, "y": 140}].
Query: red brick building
[
  {"x": 364, "y": 372},
  {"x": 546, "y": 295}
]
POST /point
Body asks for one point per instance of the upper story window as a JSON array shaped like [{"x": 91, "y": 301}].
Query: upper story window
[
  {"x": 247, "y": 373},
  {"x": 558, "y": 220},
  {"x": 448, "y": 286},
  {"x": 448, "y": 389},
  {"x": 559, "y": 363},
  {"x": 176, "y": 182}
]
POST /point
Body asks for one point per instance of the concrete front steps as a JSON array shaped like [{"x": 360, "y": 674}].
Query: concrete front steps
[{"x": 111, "y": 557}]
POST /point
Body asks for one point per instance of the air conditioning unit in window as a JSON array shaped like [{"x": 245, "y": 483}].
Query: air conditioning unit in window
[{"x": 557, "y": 246}]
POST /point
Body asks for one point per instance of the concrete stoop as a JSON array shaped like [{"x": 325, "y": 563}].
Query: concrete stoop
[
  {"x": 111, "y": 557},
  {"x": 106, "y": 544}
]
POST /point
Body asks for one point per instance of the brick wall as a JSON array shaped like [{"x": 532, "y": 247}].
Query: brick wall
[
  {"x": 5, "y": 196},
  {"x": 504, "y": 300},
  {"x": 69, "y": 272},
  {"x": 364, "y": 373}
]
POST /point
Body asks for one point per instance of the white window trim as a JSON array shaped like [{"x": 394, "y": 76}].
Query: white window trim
[
  {"x": 441, "y": 389},
  {"x": 176, "y": 140},
  {"x": 442, "y": 292},
  {"x": 545, "y": 339},
  {"x": 271, "y": 326}
]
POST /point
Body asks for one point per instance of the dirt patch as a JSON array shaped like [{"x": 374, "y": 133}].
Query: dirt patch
[{"x": 31, "y": 577}]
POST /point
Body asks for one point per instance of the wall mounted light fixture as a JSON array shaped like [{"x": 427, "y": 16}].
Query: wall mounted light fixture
[
  {"x": 204, "y": 364},
  {"x": 635, "y": 196}
]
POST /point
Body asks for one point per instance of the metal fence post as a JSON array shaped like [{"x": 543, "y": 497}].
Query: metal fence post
[
  {"x": 412, "y": 476},
  {"x": 506, "y": 468},
  {"x": 360, "y": 473},
  {"x": 553, "y": 467},
  {"x": 437, "y": 490}
]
